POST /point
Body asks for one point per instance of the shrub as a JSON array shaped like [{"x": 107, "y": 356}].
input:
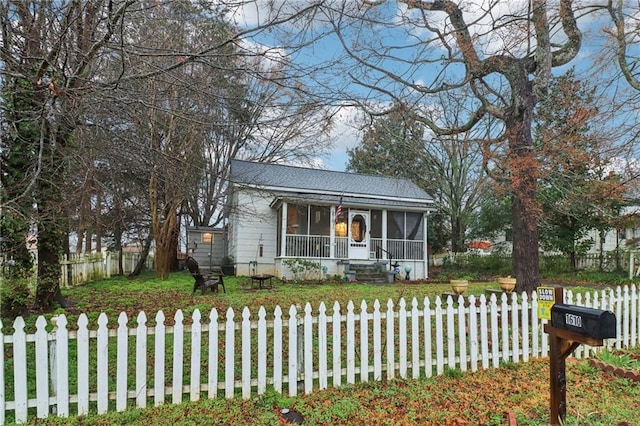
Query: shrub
[
  {"x": 301, "y": 268},
  {"x": 14, "y": 298}
]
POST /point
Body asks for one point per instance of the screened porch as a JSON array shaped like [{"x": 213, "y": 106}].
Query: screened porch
[{"x": 312, "y": 231}]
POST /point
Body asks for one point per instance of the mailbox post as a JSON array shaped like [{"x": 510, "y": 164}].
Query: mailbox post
[{"x": 571, "y": 326}]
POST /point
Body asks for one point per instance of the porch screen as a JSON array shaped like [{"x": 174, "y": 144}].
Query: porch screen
[
  {"x": 404, "y": 226},
  {"x": 320, "y": 220},
  {"x": 297, "y": 219},
  {"x": 376, "y": 224}
]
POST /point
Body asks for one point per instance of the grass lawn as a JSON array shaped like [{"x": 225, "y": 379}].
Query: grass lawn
[
  {"x": 455, "y": 398},
  {"x": 149, "y": 294}
]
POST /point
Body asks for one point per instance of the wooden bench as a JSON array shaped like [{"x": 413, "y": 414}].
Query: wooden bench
[{"x": 204, "y": 282}]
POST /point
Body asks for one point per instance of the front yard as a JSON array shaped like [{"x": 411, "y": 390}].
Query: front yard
[{"x": 594, "y": 396}]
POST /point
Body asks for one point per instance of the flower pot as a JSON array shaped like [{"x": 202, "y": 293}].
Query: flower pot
[
  {"x": 459, "y": 286},
  {"x": 507, "y": 284}
]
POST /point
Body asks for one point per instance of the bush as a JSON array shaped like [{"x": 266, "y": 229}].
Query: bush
[
  {"x": 302, "y": 268},
  {"x": 14, "y": 298}
]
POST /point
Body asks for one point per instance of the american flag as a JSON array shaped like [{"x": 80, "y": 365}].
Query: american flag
[{"x": 339, "y": 210}]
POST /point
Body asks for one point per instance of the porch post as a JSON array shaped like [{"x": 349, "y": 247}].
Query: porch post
[
  {"x": 384, "y": 234},
  {"x": 332, "y": 236},
  {"x": 426, "y": 247},
  {"x": 283, "y": 230}
]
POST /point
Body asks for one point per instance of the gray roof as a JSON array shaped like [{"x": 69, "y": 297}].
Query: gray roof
[{"x": 281, "y": 178}]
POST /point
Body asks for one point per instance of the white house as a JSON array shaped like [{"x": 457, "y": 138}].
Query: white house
[{"x": 276, "y": 212}]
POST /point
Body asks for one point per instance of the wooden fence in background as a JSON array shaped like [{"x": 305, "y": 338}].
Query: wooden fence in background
[
  {"x": 81, "y": 368},
  {"x": 81, "y": 268}
]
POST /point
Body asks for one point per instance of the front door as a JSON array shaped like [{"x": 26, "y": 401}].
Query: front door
[{"x": 358, "y": 234}]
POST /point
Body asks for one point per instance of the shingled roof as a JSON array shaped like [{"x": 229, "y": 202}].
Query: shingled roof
[{"x": 290, "y": 179}]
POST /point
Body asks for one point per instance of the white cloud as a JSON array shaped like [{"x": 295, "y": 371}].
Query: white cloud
[{"x": 346, "y": 134}]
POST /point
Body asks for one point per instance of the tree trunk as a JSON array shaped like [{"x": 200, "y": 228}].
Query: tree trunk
[
  {"x": 523, "y": 181},
  {"x": 143, "y": 258},
  {"x": 457, "y": 242}
]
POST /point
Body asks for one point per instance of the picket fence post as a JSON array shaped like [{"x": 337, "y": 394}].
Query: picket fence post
[
  {"x": 141, "y": 361},
  {"x": 377, "y": 342},
  {"x": 20, "y": 370},
  {"x": 102, "y": 368},
  {"x": 159, "y": 360},
  {"x": 262, "y": 351},
  {"x": 42, "y": 368},
  {"x": 246, "y": 353},
  {"x": 308, "y": 349},
  {"x": 122, "y": 358},
  {"x": 336, "y": 326},
  {"x": 364, "y": 342},
  {"x": 322, "y": 347},
  {"x": 293, "y": 351},
  {"x": 82, "y": 344},
  {"x": 415, "y": 335},
  {"x": 473, "y": 333},
  {"x": 229, "y": 359},
  {"x": 428, "y": 358},
  {"x": 351, "y": 345},
  {"x": 402, "y": 337},
  {"x": 214, "y": 355},
  {"x": 196, "y": 355},
  {"x": 391, "y": 347},
  {"x": 277, "y": 349},
  {"x": 178, "y": 354}
]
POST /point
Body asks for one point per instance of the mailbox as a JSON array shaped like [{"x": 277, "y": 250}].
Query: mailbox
[{"x": 590, "y": 322}]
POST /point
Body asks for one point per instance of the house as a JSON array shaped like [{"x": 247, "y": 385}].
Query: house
[{"x": 277, "y": 212}]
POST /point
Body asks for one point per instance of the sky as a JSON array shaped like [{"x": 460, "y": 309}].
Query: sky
[{"x": 347, "y": 132}]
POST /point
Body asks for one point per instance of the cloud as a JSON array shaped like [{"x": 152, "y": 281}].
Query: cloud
[{"x": 345, "y": 134}]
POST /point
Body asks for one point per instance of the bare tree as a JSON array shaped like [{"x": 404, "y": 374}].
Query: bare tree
[
  {"x": 409, "y": 51},
  {"x": 49, "y": 52},
  {"x": 626, "y": 38}
]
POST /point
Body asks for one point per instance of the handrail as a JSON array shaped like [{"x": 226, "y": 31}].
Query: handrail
[{"x": 378, "y": 256}]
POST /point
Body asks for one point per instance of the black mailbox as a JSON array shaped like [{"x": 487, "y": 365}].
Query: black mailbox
[{"x": 590, "y": 322}]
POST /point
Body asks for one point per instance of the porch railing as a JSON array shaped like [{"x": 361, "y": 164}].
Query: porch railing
[
  {"x": 406, "y": 249},
  {"x": 320, "y": 246}
]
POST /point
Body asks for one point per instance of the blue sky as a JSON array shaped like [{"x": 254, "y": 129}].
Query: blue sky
[{"x": 346, "y": 133}]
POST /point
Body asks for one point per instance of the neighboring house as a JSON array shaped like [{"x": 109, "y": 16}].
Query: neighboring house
[
  {"x": 206, "y": 245},
  {"x": 278, "y": 212}
]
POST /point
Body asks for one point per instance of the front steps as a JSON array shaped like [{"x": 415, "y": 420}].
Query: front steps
[{"x": 374, "y": 273}]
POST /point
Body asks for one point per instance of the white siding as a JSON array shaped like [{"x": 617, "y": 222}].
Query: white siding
[{"x": 258, "y": 226}]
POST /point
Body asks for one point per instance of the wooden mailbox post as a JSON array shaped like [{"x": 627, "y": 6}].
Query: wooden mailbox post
[{"x": 571, "y": 326}]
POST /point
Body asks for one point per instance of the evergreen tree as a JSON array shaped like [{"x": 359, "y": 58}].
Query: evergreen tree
[{"x": 577, "y": 190}]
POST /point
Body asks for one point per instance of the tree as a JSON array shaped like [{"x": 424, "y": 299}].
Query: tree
[
  {"x": 578, "y": 189},
  {"x": 449, "y": 168},
  {"x": 49, "y": 52},
  {"x": 392, "y": 145},
  {"x": 503, "y": 57},
  {"x": 178, "y": 116}
]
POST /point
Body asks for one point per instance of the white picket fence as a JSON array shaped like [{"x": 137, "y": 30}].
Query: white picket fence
[
  {"x": 76, "y": 369},
  {"x": 78, "y": 269}
]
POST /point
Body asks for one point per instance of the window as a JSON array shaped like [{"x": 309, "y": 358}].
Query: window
[{"x": 207, "y": 237}]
